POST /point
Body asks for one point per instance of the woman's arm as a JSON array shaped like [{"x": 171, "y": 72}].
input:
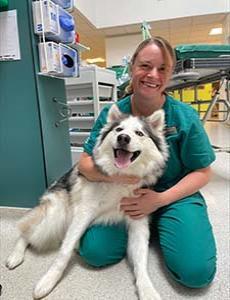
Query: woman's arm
[
  {"x": 87, "y": 168},
  {"x": 188, "y": 185},
  {"x": 148, "y": 201}
]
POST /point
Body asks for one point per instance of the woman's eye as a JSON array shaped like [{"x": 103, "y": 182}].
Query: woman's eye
[
  {"x": 162, "y": 69},
  {"x": 118, "y": 129},
  {"x": 145, "y": 66},
  {"x": 139, "y": 133}
]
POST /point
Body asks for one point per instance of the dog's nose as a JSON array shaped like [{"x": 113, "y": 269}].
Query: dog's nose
[{"x": 123, "y": 139}]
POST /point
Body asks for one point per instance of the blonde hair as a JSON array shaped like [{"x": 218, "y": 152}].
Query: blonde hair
[{"x": 167, "y": 51}]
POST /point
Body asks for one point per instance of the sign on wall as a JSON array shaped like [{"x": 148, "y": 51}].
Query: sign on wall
[{"x": 9, "y": 38}]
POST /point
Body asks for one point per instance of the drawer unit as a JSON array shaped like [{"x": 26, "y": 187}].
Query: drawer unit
[
  {"x": 81, "y": 107},
  {"x": 75, "y": 154},
  {"x": 81, "y": 122},
  {"x": 87, "y": 95},
  {"x": 78, "y": 137}
]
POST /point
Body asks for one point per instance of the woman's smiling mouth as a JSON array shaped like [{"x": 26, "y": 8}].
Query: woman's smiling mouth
[{"x": 150, "y": 84}]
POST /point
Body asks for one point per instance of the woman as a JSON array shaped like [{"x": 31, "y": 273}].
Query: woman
[{"x": 178, "y": 210}]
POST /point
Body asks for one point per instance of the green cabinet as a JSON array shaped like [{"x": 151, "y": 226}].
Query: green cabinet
[{"x": 34, "y": 151}]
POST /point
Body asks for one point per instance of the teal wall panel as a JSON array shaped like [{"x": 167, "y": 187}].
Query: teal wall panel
[
  {"x": 32, "y": 152},
  {"x": 22, "y": 175}
]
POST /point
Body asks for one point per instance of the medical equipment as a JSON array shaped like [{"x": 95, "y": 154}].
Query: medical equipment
[
  {"x": 58, "y": 60},
  {"x": 145, "y": 30},
  {"x": 66, "y": 4},
  {"x": 199, "y": 66},
  {"x": 53, "y": 21},
  {"x": 194, "y": 72}
]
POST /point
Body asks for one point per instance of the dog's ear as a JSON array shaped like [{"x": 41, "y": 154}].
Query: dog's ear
[
  {"x": 157, "y": 120},
  {"x": 115, "y": 114}
]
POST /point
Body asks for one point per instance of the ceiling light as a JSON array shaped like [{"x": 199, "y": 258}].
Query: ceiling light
[
  {"x": 95, "y": 60},
  {"x": 215, "y": 31}
]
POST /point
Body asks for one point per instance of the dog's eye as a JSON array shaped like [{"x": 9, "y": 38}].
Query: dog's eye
[
  {"x": 139, "y": 133},
  {"x": 118, "y": 129}
]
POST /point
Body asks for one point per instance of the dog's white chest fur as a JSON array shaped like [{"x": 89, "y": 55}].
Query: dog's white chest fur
[{"x": 105, "y": 199}]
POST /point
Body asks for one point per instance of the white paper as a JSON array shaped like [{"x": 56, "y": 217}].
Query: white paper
[{"x": 9, "y": 39}]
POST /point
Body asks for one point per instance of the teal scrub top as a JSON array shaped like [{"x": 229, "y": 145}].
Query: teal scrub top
[{"x": 189, "y": 146}]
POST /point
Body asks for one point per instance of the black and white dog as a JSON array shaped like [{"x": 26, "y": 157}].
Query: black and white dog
[{"x": 126, "y": 145}]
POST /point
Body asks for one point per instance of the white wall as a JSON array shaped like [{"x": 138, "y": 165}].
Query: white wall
[
  {"x": 88, "y": 9},
  {"x": 120, "y": 46},
  {"x": 109, "y": 13},
  {"x": 226, "y": 36}
]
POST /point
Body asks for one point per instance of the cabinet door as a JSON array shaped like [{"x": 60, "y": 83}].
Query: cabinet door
[{"x": 54, "y": 123}]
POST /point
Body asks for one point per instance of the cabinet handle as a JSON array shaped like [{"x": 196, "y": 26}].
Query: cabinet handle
[
  {"x": 64, "y": 111},
  {"x": 58, "y": 123}
]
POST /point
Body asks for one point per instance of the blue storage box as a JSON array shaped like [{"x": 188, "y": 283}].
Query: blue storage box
[
  {"x": 66, "y": 4},
  {"x": 69, "y": 61},
  {"x": 67, "y": 27}
]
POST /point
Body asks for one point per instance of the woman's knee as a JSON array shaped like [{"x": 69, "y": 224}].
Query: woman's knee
[
  {"x": 193, "y": 274},
  {"x": 103, "y": 245},
  {"x": 188, "y": 243}
]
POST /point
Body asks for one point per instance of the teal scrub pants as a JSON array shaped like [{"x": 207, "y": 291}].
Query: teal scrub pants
[{"x": 185, "y": 237}]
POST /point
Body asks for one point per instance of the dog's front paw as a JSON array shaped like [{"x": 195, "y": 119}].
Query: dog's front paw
[
  {"x": 14, "y": 260},
  {"x": 146, "y": 291},
  {"x": 45, "y": 285}
]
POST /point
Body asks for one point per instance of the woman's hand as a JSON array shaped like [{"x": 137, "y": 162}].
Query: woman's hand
[
  {"x": 142, "y": 204},
  {"x": 146, "y": 201}
]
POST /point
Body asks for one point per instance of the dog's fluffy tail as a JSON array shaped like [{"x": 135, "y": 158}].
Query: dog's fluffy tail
[{"x": 45, "y": 225}]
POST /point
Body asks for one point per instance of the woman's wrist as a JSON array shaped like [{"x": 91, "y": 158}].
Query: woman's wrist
[{"x": 166, "y": 198}]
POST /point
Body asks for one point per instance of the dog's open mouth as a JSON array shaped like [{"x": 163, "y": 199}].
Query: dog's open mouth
[{"x": 124, "y": 158}]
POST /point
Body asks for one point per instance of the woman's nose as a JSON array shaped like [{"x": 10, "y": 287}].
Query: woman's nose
[{"x": 154, "y": 72}]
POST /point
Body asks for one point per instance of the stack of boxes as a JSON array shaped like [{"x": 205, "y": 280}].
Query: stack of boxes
[{"x": 56, "y": 28}]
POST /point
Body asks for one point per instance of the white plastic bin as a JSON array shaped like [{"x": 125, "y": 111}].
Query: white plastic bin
[
  {"x": 50, "y": 58},
  {"x": 58, "y": 25},
  {"x": 45, "y": 16},
  {"x": 58, "y": 60}
]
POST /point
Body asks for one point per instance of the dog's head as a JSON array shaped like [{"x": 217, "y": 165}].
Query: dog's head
[{"x": 132, "y": 145}]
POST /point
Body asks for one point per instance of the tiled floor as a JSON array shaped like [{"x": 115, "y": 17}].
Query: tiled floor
[{"x": 116, "y": 282}]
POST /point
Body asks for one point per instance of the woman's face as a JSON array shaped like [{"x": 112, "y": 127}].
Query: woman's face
[{"x": 149, "y": 73}]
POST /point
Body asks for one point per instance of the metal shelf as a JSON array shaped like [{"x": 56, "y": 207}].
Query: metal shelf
[{"x": 78, "y": 46}]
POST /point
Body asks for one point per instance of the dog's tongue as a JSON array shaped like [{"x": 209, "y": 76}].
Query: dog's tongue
[{"x": 122, "y": 159}]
